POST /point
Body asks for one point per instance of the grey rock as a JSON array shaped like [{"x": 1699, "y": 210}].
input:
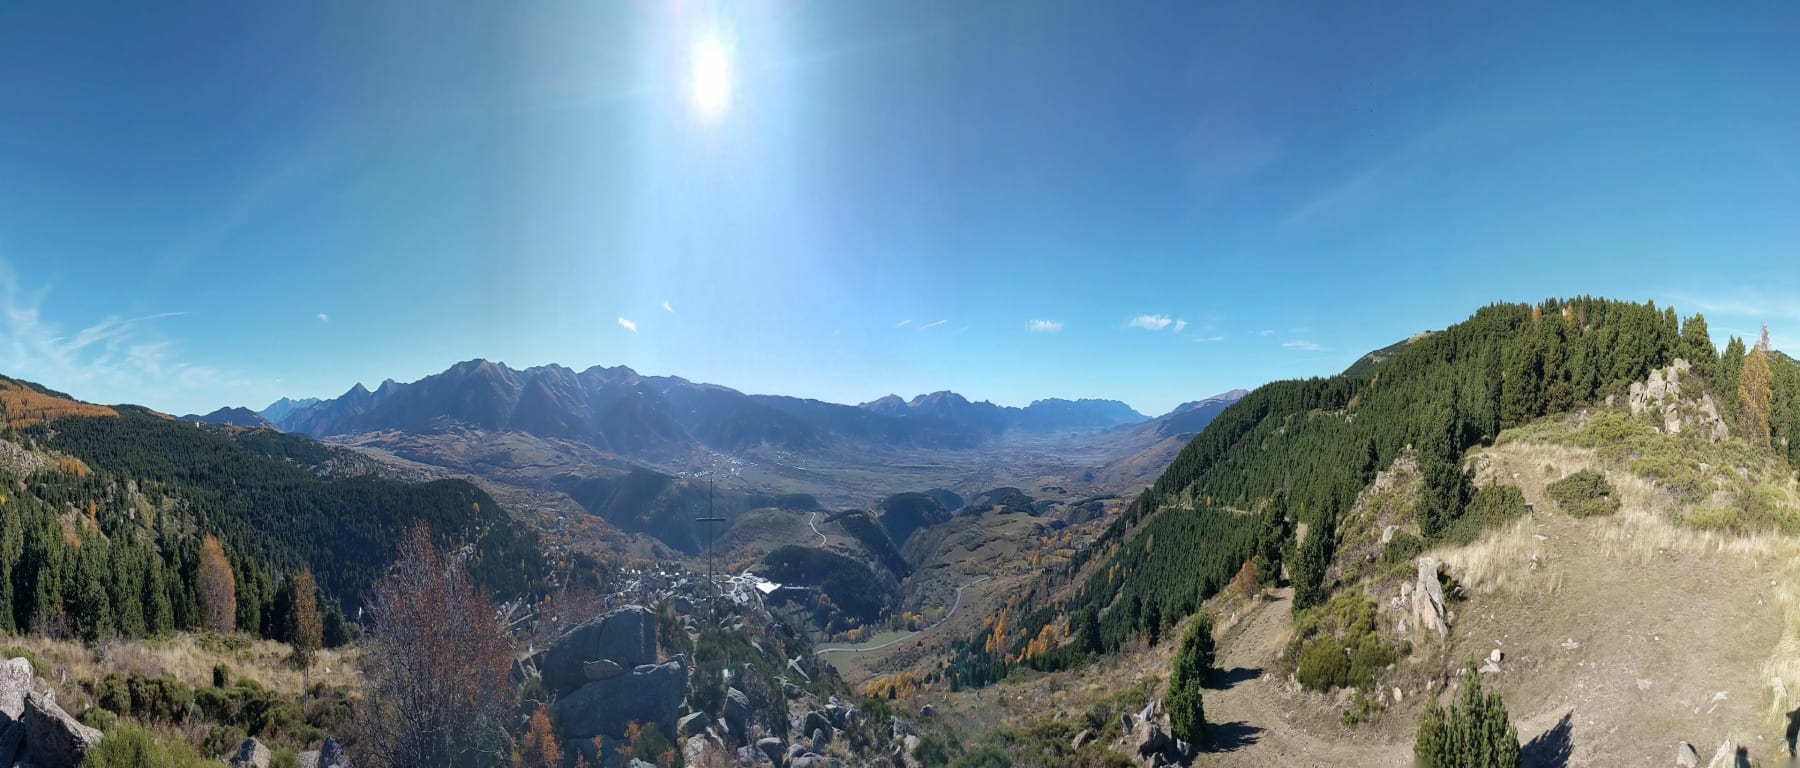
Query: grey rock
[
  {"x": 795, "y": 750},
  {"x": 602, "y": 669},
  {"x": 650, "y": 694},
  {"x": 821, "y": 737},
  {"x": 816, "y": 721},
  {"x": 792, "y": 691},
  {"x": 251, "y": 754},
  {"x": 693, "y": 724},
  {"x": 1151, "y": 740},
  {"x": 53, "y": 739},
  {"x": 771, "y": 748},
  {"x": 1428, "y": 599},
  {"x": 12, "y": 742},
  {"x": 928, "y": 711},
  {"x": 737, "y": 710},
  {"x": 1686, "y": 756},
  {"x": 1722, "y": 758},
  {"x": 626, "y": 636},
  {"x": 807, "y": 761},
  {"x": 636, "y": 763},
  {"x": 308, "y": 759},
  {"x": 1081, "y": 739},
  {"x": 331, "y": 755},
  {"x": 15, "y": 681}
]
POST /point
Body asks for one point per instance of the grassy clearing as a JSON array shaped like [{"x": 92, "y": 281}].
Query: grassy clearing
[{"x": 187, "y": 657}]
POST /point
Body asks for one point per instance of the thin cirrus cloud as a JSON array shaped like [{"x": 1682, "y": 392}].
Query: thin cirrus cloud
[
  {"x": 667, "y": 308},
  {"x": 1151, "y": 322},
  {"x": 932, "y": 324},
  {"x": 903, "y": 323},
  {"x": 1301, "y": 345},
  {"x": 628, "y": 325},
  {"x": 1266, "y": 332},
  {"x": 108, "y": 361},
  {"x": 1208, "y": 339},
  {"x": 1180, "y": 324},
  {"x": 324, "y": 318},
  {"x": 1044, "y": 326}
]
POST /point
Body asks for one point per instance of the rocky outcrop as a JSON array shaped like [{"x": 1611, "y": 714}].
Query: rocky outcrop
[
  {"x": 625, "y": 636},
  {"x": 12, "y": 742},
  {"x": 15, "y": 681},
  {"x": 771, "y": 747},
  {"x": 1660, "y": 394},
  {"x": 53, "y": 739},
  {"x": 1427, "y": 596},
  {"x": 651, "y": 693},
  {"x": 693, "y": 724}
]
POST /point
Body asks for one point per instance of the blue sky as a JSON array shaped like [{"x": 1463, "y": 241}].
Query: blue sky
[{"x": 212, "y": 205}]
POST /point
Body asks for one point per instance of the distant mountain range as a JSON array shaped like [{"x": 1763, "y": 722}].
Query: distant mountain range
[
  {"x": 661, "y": 417},
  {"x": 279, "y": 409},
  {"x": 231, "y": 417}
]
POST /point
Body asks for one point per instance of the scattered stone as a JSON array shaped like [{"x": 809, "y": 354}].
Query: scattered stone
[
  {"x": 53, "y": 739},
  {"x": 251, "y": 754},
  {"x": 928, "y": 711},
  {"x": 1722, "y": 758},
  {"x": 1496, "y": 656},
  {"x": 1686, "y": 756},
  {"x": 1081, "y": 739},
  {"x": 1151, "y": 740},
  {"x": 820, "y": 738},
  {"x": 771, "y": 747},
  {"x": 693, "y": 724},
  {"x": 1398, "y": 696},
  {"x": 1643, "y": 684},
  {"x": 1570, "y": 644},
  {"x": 792, "y": 691}
]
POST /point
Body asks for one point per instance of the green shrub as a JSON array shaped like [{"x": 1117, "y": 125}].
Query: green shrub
[
  {"x": 1402, "y": 550},
  {"x": 984, "y": 757},
  {"x": 284, "y": 758},
  {"x": 1491, "y": 507},
  {"x": 1583, "y": 494},
  {"x": 1187, "y": 711},
  {"x": 932, "y": 752},
  {"x": 221, "y": 675},
  {"x": 1323, "y": 665},
  {"x": 129, "y": 745},
  {"x": 1474, "y": 733},
  {"x": 98, "y": 719}
]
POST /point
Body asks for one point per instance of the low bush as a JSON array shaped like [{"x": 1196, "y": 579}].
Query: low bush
[
  {"x": 1493, "y": 506},
  {"x": 1337, "y": 645},
  {"x": 129, "y": 745},
  {"x": 1584, "y": 494}
]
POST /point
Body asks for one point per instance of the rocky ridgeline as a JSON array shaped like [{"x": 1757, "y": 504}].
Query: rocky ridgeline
[
  {"x": 34, "y": 731},
  {"x": 1660, "y": 394}
]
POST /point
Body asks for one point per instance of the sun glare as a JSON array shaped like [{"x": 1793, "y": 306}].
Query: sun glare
[{"x": 710, "y": 77}]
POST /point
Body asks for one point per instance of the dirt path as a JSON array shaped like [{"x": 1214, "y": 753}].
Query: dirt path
[
  {"x": 1252, "y": 720},
  {"x": 907, "y": 636}
]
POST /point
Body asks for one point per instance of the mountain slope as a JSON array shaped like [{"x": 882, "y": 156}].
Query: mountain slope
[{"x": 274, "y": 500}]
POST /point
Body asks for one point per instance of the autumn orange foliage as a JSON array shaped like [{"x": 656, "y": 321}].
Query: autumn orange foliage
[{"x": 23, "y": 407}]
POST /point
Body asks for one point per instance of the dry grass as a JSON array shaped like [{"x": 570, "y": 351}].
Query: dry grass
[
  {"x": 1501, "y": 562},
  {"x": 188, "y": 658}
]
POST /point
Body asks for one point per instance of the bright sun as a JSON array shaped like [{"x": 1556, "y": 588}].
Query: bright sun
[{"x": 709, "y": 77}]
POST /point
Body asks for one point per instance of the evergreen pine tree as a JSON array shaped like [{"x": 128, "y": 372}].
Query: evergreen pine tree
[{"x": 1187, "y": 711}]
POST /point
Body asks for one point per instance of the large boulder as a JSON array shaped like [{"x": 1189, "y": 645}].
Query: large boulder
[
  {"x": 737, "y": 710},
  {"x": 53, "y": 739},
  {"x": 15, "y": 682},
  {"x": 251, "y": 754},
  {"x": 693, "y": 724},
  {"x": 625, "y": 636},
  {"x": 12, "y": 742},
  {"x": 1428, "y": 599},
  {"x": 652, "y": 693},
  {"x": 771, "y": 747}
]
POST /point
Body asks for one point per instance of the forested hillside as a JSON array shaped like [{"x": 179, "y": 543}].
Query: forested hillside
[
  {"x": 1321, "y": 440},
  {"x": 113, "y": 536}
]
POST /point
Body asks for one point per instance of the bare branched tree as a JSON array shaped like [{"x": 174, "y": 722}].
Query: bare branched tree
[{"x": 438, "y": 664}]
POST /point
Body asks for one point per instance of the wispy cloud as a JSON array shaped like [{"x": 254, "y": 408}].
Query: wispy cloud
[
  {"x": 1266, "y": 332},
  {"x": 324, "y": 318},
  {"x": 903, "y": 323},
  {"x": 1180, "y": 324},
  {"x": 1151, "y": 322},
  {"x": 667, "y": 308},
  {"x": 628, "y": 325},
  {"x": 1044, "y": 326},
  {"x": 1745, "y": 305},
  {"x": 116, "y": 359},
  {"x": 1208, "y": 339},
  {"x": 1301, "y": 345},
  {"x": 932, "y": 324}
]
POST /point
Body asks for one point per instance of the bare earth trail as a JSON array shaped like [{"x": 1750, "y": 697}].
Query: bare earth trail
[
  {"x": 907, "y": 636},
  {"x": 1249, "y": 716}
]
